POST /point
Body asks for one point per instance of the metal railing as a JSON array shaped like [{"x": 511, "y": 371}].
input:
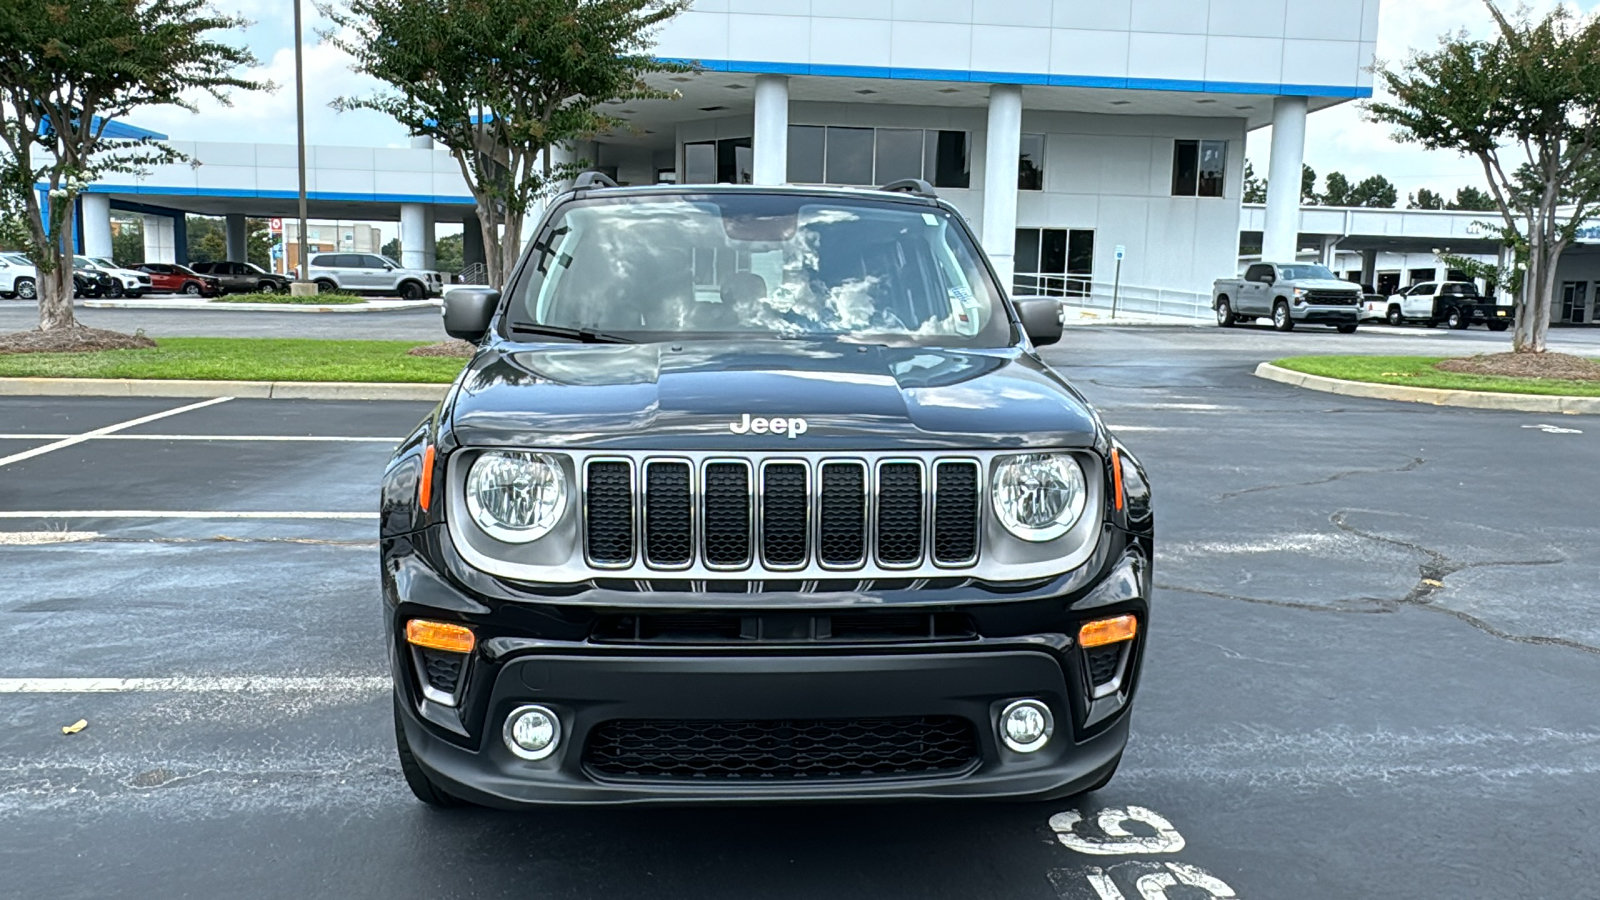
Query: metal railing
[
  {"x": 477, "y": 273},
  {"x": 1075, "y": 292}
]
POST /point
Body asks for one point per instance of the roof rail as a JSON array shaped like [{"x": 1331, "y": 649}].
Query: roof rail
[
  {"x": 593, "y": 179},
  {"x": 910, "y": 186}
]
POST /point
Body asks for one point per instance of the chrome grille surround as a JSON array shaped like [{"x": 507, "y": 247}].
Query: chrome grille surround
[{"x": 564, "y": 556}]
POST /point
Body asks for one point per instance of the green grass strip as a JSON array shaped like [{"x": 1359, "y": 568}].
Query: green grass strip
[
  {"x": 1418, "y": 371},
  {"x": 244, "y": 359},
  {"x": 329, "y": 299}
]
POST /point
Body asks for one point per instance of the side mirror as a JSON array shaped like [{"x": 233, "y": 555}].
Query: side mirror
[
  {"x": 1041, "y": 319},
  {"x": 468, "y": 312},
  {"x": 1269, "y": 278}
]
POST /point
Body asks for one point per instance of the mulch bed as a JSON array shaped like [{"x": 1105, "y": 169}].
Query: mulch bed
[
  {"x": 463, "y": 349},
  {"x": 79, "y": 339},
  {"x": 1554, "y": 366}
]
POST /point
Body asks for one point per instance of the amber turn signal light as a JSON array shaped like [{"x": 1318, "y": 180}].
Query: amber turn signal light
[
  {"x": 1116, "y": 479},
  {"x": 440, "y": 636},
  {"x": 425, "y": 483},
  {"x": 1108, "y": 631}
]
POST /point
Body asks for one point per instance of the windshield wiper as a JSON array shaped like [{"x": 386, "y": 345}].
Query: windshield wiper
[{"x": 581, "y": 335}]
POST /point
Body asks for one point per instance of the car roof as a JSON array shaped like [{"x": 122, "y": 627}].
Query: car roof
[{"x": 820, "y": 191}]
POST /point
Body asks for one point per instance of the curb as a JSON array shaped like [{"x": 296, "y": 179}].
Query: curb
[
  {"x": 196, "y": 305},
  {"x": 1544, "y": 403},
  {"x": 259, "y": 390}
]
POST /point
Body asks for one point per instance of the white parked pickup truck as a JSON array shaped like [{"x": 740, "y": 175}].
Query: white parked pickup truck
[{"x": 1288, "y": 294}]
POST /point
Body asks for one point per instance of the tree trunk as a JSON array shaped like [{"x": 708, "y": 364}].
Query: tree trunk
[
  {"x": 511, "y": 245},
  {"x": 491, "y": 241},
  {"x": 55, "y": 299}
]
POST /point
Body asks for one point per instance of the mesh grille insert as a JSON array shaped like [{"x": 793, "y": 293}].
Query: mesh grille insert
[
  {"x": 727, "y": 514},
  {"x": 610, "y": 512},
  {"x": 784, "y": 519},
  {"x": 899, "y": 514},
  {"x": 442, "y": 669},
  {"x": 781, "y": 748},
  {"x": 843, "y": 514},
  {"x": 955, "y": 513},
  {"x": 668, "y": 527},
  {"x": 1103, "y": 663}
]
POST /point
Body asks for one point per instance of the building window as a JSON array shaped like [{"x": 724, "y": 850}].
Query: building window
[
  {"x": 1053, "y": 262},
  {"x": 728, "y": 161},
  {"x": 1030, "y": 167},
  {"x": 1199, "y": 168},
  {"x": 1418, "y": 276},
  {"x": 870, "y": 156}
]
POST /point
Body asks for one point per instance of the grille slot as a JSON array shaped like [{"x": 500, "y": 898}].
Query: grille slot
[
  {"x": 1103, "y": 663},
  {"x": 781, "y": 749},
  {"x": 955, "y": 513},
  {"x": 1331, "y": 298},
  {"x": 899, "y": 513},
  {"x": 726, "y": 511},
  {"x": 609, "y": 514},
  {"x": 668, "y": 522},
  {"x": 842, "y": 526},
  {"x": 785, "y": 514},
  {"x": 442, "y": 669}
]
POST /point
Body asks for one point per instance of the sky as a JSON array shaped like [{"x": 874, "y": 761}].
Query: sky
[{"x": 1338, "y": 139}]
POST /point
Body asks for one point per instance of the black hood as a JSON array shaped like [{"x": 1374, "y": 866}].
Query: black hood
[{"x": 685, "y": 395}]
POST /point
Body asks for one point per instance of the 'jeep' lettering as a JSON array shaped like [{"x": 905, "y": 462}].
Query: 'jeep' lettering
[{"x": 748, "y": 424}]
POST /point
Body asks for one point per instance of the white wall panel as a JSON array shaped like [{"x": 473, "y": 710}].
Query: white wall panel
[
  {"x": 768, "y": 38},
  {"x": 852, "y": 9},
  {"x": 1247, "y": 18},
  {"x": 215, "y": 177},
  {"x": 698, "y": 35},
  {"x": 923, "y": 45},
  {"x": 1094, "y": 15},
  {"x": 850, "y": 42},
  {"x": 1181, "y": 16},
  {"x": 1006, "y": 48},
  {"x": 1338, "y": 20},
  {"x": 1030, "y": 13},
  {"x": 959, "y": 11},
  {"x": 1102, "y": 54},
  {"x": 1320, "y": 62},
  {"x": 1251, "y": 59},
  {"x": 1175, "y": 56}
]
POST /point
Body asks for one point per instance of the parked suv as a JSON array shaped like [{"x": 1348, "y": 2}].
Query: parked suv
[
  {"x": 1454, "y": 303},
  {"x": 124, "y": 282},
  {"x": 1287, "y": 294},
  {"x": 171, "y": 278},
  {"x": 244, "y": 278},
  {"x": 18, "y": 279},
  {"x": 369, "y": 273},
  {"x": 760, "y": 494}
]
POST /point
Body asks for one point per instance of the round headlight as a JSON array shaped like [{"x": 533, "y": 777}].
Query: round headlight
[
  {"x": 1039, "y": 496},
  {"x": 516, "y": 497}
]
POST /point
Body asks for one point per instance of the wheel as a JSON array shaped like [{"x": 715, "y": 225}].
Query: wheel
[
  {"x": 26, "y": 290},
  {"x": 1458, "y": 321},
  {"x": 1395, "y": 318},
  {"x": 416, "y": 779},
  {"x": 1498, "y": 326},
  {"x": 1348, "y": 329},
  {"x": 410, "y": 290},
  {"x": 1224, "y": 312},
  {"x": 1281, "y": 320},
  {"x": 115, "y": 292},
  {"x": 192, "y": 288},
  {"x": 324, "y": 286},
  {"x": 266, "y": 287}
]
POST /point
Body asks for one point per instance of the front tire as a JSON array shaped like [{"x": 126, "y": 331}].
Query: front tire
[
  {"x": 1395, "y": 318},
  {"x": 26, "y": 289},
  {"x": 325, "y": 286},
  {"x": 410, "y": 290},
  {"x": 115, "y": 292},
  {"x": 421, "y": 785},
  {"x": 191, "y": 288},
  {"x": 1281, "y": 320},
  {"x": 1458, "y": 321},
  {"x": 1224, "y": 313},
  {"x": 266, "y": 287}
]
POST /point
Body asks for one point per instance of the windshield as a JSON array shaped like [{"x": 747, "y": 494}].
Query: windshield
[
  {"x": 761, "y": 265},
  {"x": 1307, "y": 273},
  {"x": 17, "y": 259},
  {"x": 79, "y": 262}
]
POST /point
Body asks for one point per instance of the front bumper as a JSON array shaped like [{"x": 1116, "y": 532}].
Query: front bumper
[
  {"x": 1324, "y": 315},
  {"x": 550, "y": 655}
]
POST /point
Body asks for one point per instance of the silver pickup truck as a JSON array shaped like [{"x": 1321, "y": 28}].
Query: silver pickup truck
[{"x": 1289, "y": 294}]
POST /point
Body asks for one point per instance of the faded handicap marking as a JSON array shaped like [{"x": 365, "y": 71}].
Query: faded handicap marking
[
  {"x": 1116, "y": 839},
  {"x": 1109, "y": 834}
]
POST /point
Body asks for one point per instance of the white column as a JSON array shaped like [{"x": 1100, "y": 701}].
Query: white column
[
  {"x": 430, "y": 247},
  {"x": 413, "y": 220},
  {"x": 1330, "y": 244},
  {"x": 96, "y": 224},
  {"x": 1369, "y": 267},
  {"x": 771, "y": 141},
  {"x": 1002, "y": 155},
  {"x": 160, "y": 246},
  {"x": 238, "y": 249},
  {"x": 1281, "y": 238}
]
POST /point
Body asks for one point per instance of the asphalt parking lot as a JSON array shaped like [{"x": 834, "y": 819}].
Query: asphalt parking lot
[{"x": 1373, "y": 659}]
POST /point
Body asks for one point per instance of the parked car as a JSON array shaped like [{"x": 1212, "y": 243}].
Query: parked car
[
  {"x": 244, "y": 278},
  {"x": 124, "y": 282},
  {"x": 1457, "y": 304},
  {"x": 170, "y": 278},
  {"x": 369, "y": 273},
  {"x": 1374, "y": 304},
  {"x": 1289, "y": 294},
  {"x": 18, "y": 278},
  {"x": 824, "y": 528},
  {"x": 91, "y": 284}
]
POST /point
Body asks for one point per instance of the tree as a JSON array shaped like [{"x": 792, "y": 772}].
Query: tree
[
  {"x": 449, "y": 254},
  {"x": 1338, "y": 191},
  {"x": 1255, "y": 189},
  {"x": 208, "y": 239},
  {"x": 1526, "y": 104},
  {"x": 1374, "y": 192},
  {"x": 1308, "y": 185},
  {"x": 127, "y": 242},
  {"x": 499, "y": 83},
  {"x": 1424, "y": 199},
  {"x": 69, "y": 68},
  {"x": 1470, "y": 198},
  {"x": 391, "y": 249}
]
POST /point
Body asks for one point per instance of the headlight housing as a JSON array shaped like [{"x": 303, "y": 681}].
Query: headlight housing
[
  {"x": 1039, "y": 496},
  {"x": 516, "y": 497}
]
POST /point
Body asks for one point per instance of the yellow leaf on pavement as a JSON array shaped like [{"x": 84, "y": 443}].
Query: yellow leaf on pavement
[{"x": 75, "y": 727}]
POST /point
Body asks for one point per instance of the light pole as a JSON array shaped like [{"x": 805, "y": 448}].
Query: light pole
[{"x": 301, "y": 286}]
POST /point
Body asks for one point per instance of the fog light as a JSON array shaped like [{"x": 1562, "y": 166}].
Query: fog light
[
  {"x": 532, "y": 732},
  {"x": 1026, "y": 725}
]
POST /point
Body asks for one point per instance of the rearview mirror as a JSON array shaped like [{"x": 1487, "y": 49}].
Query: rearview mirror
[
  {"x": 1041, "y": 319},
  {"x": 468, "y": 311}
]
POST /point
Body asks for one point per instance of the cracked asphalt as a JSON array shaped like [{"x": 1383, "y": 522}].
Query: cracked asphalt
[{"x": 1373, "y": 658}]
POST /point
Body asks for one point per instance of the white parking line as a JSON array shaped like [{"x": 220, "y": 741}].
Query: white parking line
[
  {"x": 175, "y": 514},
  {"x": 245, "y": 684},
  {"x": 109, "y": 429},
  {"x": 266, "y": 438}
]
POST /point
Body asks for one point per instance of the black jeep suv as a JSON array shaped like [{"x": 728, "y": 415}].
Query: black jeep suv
[{"x": 760, "y": 494}]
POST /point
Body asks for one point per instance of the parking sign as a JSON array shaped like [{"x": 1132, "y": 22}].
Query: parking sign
[{"x": 276, "y": 225}]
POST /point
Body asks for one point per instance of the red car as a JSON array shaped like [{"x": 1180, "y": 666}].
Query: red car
[{"x": 169, "y": 278}]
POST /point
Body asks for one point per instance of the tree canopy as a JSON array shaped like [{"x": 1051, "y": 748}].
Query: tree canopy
[
  {"x": 1525, "y": 103},
  {"x": 71, "y": 67},
  {"x": 499, "y": 83}
]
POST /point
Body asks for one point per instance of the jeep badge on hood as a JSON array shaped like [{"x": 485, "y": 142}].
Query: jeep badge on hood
[{"x": 793, "y": 426}]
